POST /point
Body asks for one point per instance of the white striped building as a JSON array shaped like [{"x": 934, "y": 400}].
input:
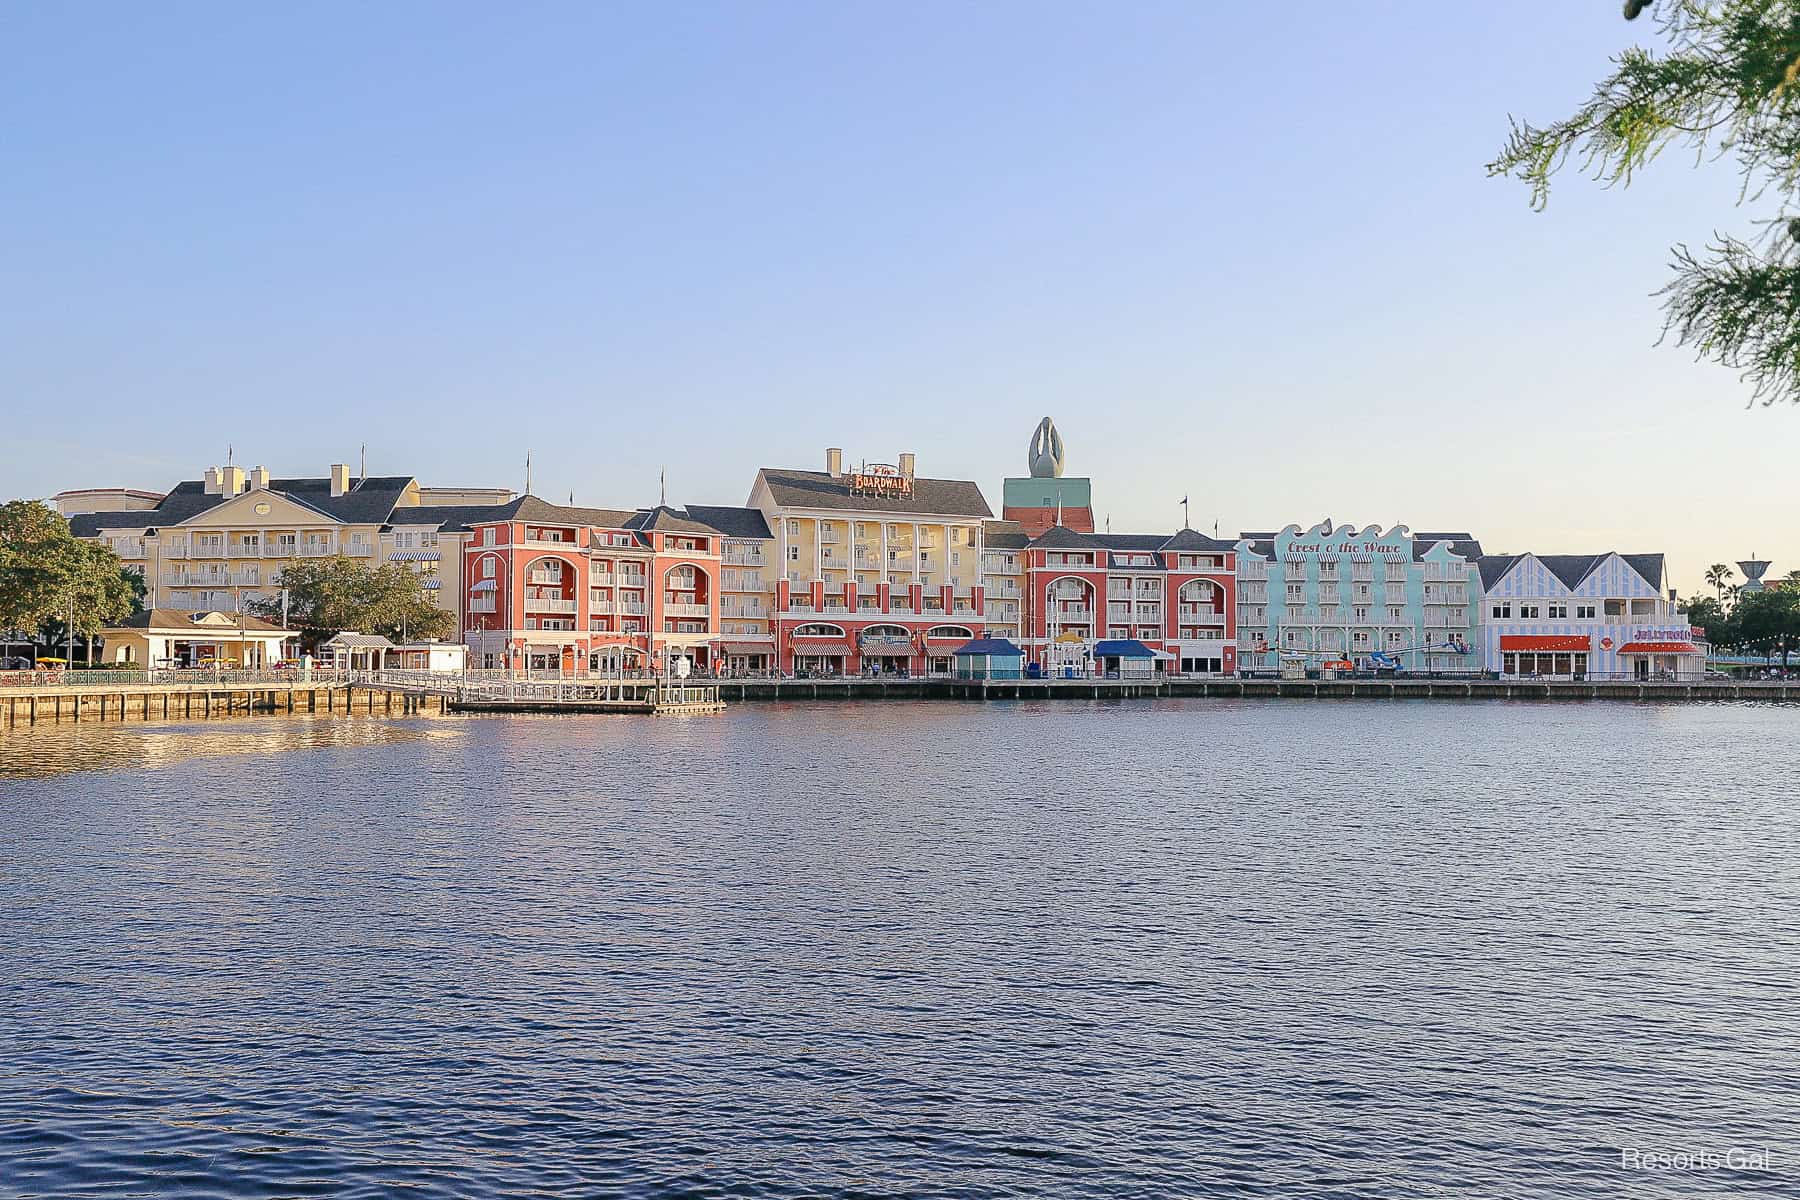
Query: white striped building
[{"x": 1594, "y": 616}]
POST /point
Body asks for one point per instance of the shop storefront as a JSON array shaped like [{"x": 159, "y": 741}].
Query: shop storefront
[
  {"x": 1663, "y": 652},
  {"x": 1545, "y": 656}
]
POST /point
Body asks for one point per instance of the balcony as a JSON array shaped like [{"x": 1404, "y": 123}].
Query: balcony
[
  {"x": 316, "y": 550},
  {"x": 128, "y": 548},
  {"x": 630, "y": 608},
  {"x": 359, "y": 550},
  {"x": 544, "y": 576},
  {"x": 686, "y": 610},
  {"x": 545, "y": 604},
  {"x": 600, "y": 608},
  {"x": 1082, "y": 613},
  {"x": 741, "y": 558},
  {"x": 280, "y": 550}
]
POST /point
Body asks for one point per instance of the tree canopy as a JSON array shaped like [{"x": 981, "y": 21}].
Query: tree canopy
[
  {"x": 48, "y": 574},
  {"x": 1765, "y": 622},
  {"x": 326, "y": 596},
  {"x": 1728, "y": 83}
]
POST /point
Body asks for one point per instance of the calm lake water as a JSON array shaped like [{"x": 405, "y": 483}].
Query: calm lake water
[{"x": 1209, "y": 948}]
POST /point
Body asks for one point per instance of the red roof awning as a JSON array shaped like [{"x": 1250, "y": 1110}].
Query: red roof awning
[
  {"x": 746, "y": 648},
  {"x": 1659, "y": 648},
  {"x": 828, "y": 649},
  {"x": 1526, "y": 641}
]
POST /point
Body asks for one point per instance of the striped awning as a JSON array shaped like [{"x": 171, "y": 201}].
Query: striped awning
[
  {"x": 822, "y": 649},
  {"x": 485, "y": 585},
  {"x": 1659, "y": 648},
  {"x": 414, "y": 556},
  {"x": 746, "y": 648}
]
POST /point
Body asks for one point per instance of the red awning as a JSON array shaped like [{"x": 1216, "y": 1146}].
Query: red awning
[
  {"x": 828, "y": 649},
  {"x": 1659, "y": 648},
  {"x": 1522, "y": 641}
]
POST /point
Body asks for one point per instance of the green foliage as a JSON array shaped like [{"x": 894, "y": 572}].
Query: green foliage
[
  {"x": 1765, "y": 622},
  {"x": 1710, "y": 615},
  {"x": 329, "y": 595},
  {"x": 1728, "y": 83},
  {"x": 48, "y": 575}
]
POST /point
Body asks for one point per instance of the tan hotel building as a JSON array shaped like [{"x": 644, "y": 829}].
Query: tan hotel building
[{"x": 216, "y": 543}]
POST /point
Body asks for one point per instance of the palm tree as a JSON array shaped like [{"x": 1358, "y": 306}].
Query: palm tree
[{"x": 1717, "y": 577}]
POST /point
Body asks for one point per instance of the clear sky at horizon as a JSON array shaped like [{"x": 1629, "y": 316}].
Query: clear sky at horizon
[{"x": 1247, "y": 254}]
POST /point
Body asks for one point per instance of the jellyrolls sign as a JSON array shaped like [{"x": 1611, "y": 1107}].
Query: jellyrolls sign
[{"x": 1660, "y": 633}]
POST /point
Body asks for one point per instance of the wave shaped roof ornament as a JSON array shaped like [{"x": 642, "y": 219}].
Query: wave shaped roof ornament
[{"x": 1045, "y": 458}]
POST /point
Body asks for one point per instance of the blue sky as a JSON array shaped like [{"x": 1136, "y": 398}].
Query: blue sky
[{"x": 1244, "y": 253}]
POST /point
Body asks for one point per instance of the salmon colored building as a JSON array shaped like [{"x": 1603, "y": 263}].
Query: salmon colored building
[
  {"x": 1177, "y": 594},
  {"x": 561, "y": 588}
]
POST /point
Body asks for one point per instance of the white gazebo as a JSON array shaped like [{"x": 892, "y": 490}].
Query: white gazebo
[{"x": 349, "y": 651}]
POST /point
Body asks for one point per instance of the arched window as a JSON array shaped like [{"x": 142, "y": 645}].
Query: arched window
[
  {"x": 946, "y": 632},
  {"x": 886, "y": 631},
  {"x": 819, "y": 629}
]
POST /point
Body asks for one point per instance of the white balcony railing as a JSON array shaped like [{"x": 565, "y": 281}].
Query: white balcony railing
[
  {"x": 547, "y": 604},
  {"x": 542, "y": 575},
  {"x": 600, "y": 608},
  {"x": 316, "y": 550},
  {"x": 359, "y": 550},
  {"x": 686, "y": 610}
]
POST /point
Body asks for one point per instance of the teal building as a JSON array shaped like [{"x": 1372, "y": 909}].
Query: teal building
[{"x": 1371, "y": 597}]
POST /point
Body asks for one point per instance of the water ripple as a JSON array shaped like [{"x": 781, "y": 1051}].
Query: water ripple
[{"x": 1346, "y": 950}]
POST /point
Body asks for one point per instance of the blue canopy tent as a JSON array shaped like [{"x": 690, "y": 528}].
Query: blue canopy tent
[
  {"x": 1125, "y": 658},
  {"x": 989, "y": 658}
]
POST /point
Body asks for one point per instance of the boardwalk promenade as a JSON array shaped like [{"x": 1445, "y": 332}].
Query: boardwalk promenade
[{"x": 118, "y": 696}]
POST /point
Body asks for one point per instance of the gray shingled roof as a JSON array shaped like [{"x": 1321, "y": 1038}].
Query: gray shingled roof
[
  {"x": 1573, "y": 569},
  {"x": 367, "y": 502},
  {"x": 732, "y": 522},
  {"x": 816, "y": 489},
  {"x": 1460, "y": 543},
  {"x": 172, "y": 619},
  {"x": 1192, "y": 539},
  {"x": 1494, "y": 568},
  {"x": 1004, "y": 535},
  {"x": 664, "y": 519},
  {"x": 86, "y": 525},
  {"x": 1061, "y": 537}
]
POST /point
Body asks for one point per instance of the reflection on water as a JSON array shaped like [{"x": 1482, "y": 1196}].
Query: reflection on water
[
  {"x": 52, "y": 748},
  {"x": 1344, "y": 949}
]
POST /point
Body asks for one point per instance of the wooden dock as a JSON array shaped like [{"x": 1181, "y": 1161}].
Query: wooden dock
[{"x": 192, "y": 701}]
